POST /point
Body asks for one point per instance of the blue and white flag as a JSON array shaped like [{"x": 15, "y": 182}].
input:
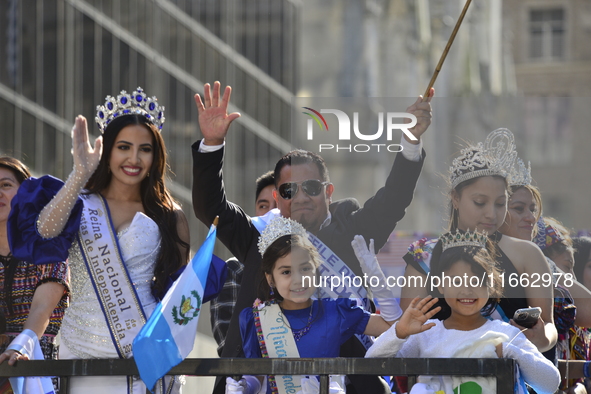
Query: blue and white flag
[
  {"x": 169, "y": 334},
  {"x": 27, "y": 343}
]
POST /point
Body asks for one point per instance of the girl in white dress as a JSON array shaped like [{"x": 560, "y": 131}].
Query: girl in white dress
[{"x": 464, "y": 263}]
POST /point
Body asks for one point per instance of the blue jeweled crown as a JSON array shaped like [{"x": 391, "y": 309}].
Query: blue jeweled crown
[{"x": 129, "y": 104}]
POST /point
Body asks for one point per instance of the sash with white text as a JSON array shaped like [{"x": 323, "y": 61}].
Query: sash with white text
[
  {"x": 277, "y": 342},
  {"x": 115, "y": 291}
]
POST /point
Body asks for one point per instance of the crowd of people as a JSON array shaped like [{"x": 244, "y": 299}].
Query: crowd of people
[{"x": 91, "y": 257}]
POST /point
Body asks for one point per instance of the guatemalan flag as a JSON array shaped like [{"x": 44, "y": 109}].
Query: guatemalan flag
[
  {"x": 169, "y": 334},
  {"x": 27, "y": 343}
]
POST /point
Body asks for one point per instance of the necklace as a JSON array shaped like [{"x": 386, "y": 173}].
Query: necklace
[{"x": 300, "y": 332}]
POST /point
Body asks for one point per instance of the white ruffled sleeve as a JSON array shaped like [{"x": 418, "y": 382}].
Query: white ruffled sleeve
[{"x": 537, "y": 370}]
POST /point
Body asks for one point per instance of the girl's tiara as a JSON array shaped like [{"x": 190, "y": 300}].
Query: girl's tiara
[
  {"x": 465, "y": 238},
  {"x": 494, "y": 157},
  {"x": 136, "y": 103},
  {"x": 277, "y": 228}
]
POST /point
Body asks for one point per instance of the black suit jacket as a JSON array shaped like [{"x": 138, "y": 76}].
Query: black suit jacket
[{"x": 376, "y": 219}]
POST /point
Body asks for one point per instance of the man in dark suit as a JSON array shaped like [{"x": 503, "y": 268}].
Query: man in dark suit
[
  {"x": 221, "y": 308},
  {"x": 304, "y": 193}
]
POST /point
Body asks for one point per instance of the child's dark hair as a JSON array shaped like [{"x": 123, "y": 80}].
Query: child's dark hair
[
  {"x": 281, "y": 247},
  {"x": 563, "y": 244},
  {"x": 582, "y": 247},
  {"x": 482, "y": 266}
]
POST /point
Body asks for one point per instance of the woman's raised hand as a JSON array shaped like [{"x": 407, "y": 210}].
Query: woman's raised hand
[
  {"x": 415, "y": 316},
  {"x": 86, "y": 158},
  {"x": 54, "y": 215},
  {"x": 214, "y": 119}
]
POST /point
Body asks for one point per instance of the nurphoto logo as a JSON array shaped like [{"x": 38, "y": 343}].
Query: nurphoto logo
[{"x": 394, "y": 121}]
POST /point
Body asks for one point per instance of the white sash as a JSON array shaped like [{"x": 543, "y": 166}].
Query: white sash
[
  {"x": 280, "y": 343},
  {"x": 116, "y": 294}
]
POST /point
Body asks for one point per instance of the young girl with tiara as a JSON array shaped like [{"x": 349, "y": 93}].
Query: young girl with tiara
[
  {"x": 467, "y": 332},
  {"x": 478, "y": 201},
  {"x": 287, "y": 322}
]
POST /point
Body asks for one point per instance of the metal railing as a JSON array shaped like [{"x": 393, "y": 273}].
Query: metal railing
[{"x": 501, "y": 369}]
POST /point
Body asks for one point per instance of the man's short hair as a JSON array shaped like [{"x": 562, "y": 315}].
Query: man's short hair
[
  {"x": 267, "y": 179},
  {"x": 300, "y": 156}
]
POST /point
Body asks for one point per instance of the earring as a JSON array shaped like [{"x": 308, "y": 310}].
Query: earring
[
  {"x": 271, "y": 293},
  {"x": 148, "y": 175}
]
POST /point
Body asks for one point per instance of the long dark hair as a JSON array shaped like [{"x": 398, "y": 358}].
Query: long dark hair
[
  {"x": 582, "y": 246},
  {"x": 21, "y": 172},
  {"x": 156, "y": 199},
  {"x": 482, "y": 266}
]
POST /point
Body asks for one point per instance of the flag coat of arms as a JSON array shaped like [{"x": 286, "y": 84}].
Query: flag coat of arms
[{"x": 169, "y": 334}]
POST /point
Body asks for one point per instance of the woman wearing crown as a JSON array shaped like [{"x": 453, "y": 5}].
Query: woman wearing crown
[
  {"x": 119, "y": 227},
  {"x": 478, "y": 201}
]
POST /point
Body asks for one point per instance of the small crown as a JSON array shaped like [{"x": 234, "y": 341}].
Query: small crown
[
  {"x": 520, "y": 175},
  {"x": 494, "y": 157},
  {"x": 129, "y": 104},
  {"x": 467, "y": 238},
  {"x": 277, "y": 228}
]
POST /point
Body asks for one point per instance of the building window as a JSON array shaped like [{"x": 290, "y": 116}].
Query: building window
[{"x": 547, "y": 34}]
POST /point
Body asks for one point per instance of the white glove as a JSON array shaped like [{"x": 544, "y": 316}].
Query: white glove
[
  {"x": 389, "y": 307},
  {"x": 233, "y": 386},
  {"x": 248, "y": 385},
  {"x": 312, "y": 386}
]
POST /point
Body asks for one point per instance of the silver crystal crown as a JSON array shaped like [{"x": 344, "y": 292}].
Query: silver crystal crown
[
  {"x": 277, "y": 228},
  {"x": 129, "y": 104},
  {"x": 520, "y": 175},
  {"x": 494, "y": 157},
  {"x": 468, "y": 238}
]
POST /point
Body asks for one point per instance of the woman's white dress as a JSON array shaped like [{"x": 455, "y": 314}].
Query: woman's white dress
[{"x": 84, "y": 330}]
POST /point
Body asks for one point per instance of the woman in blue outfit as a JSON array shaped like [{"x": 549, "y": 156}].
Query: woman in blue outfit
[{"x": 122, "y": 232}]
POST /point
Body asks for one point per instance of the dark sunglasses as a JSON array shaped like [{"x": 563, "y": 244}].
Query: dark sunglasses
[{"x": 311, "y": 187}]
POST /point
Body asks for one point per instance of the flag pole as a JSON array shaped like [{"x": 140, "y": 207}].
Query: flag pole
[
  {"x": 216, "y": 220},
  {"x": 446, "y": 50}
]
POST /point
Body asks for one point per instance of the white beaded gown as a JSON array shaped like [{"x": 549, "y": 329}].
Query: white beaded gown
[{"x": 84, "y": 330}]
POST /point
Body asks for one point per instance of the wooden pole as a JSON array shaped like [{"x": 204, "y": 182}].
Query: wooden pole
[{"x": 446, "y": 50}]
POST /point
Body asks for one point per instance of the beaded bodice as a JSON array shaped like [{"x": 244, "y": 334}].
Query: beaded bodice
[{"x": 84, "y": 329}]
